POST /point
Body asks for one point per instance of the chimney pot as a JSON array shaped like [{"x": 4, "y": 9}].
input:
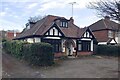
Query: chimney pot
[
  {"x": 71, "y": 20},
  {"x": 107, "y": 17}
]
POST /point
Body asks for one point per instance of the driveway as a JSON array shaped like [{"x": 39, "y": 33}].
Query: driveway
[{"x": 84, "y": 67}]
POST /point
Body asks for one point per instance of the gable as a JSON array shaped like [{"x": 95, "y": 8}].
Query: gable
[
  {"x": 111, "y": 41},
  {"x": 54, "y": 31},
  {"x": 87, "y": 34}
]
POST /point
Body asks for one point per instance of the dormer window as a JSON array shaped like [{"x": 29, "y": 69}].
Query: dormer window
[{"x": 64, "y": 24}]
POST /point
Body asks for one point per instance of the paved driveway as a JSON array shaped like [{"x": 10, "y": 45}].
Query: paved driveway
[
  {"x": 84, "y": 68},
  {"x": 88, "y": 67}
]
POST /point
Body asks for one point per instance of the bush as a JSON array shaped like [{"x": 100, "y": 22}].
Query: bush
[
  {"x": 14, "y": 47},
  {"x": 40, "y": 54},
  {"x": 109, "y": 50}
]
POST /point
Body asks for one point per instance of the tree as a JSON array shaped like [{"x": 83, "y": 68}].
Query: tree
[
  {"x": 34, "y": 19},
  {"x": 107, "y": 8}
]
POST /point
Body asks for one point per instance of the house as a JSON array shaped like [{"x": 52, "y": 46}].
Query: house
[
  {"x": 106, "y": 31},
  {"x": 9, "y": 34},
  {"x": 65, "y": 37}
]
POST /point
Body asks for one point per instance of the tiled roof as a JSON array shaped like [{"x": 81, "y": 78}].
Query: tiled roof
[
  {"x": 44, "y": 24},
  {"x": 104, "y": 24}
]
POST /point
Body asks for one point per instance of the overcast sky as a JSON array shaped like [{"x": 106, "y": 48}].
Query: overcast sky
[{"x": 14, "y": 14}]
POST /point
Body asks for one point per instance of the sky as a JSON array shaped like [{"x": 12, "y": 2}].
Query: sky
[{"x": 14, "y": 14}]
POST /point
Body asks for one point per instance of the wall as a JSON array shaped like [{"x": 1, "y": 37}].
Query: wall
[
  {"x": 9, "y": 34},
  {"x": 37, "y": 40},
  {"x": 84, "y": 53},
  {"x": 101, "y": 36},
  {"x": 30, "y": 40},
  {"x": 117, "y": 38}
]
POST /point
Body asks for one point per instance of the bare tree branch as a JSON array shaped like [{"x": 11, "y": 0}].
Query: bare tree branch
[
  {"x": 34, "y": 19},
  {"x": 107, "y": 8}
]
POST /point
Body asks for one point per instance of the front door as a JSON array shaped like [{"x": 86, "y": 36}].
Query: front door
[
  {"x": 69, "y": 47},
  {"x": 69, "y": 50}
]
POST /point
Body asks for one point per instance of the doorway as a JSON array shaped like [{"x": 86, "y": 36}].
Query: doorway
[{"x": 69, "y": 45}]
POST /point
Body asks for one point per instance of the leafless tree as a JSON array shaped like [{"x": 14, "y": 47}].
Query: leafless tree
[
  {"x": 34, "y": 19},
  {"x": 107, "y": 8}
]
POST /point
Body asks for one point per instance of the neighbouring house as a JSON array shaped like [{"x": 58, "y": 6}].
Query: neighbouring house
[
  {"x": 9, "y": 34},
  {"x": 66, "y": 38},
  {"x": 106, "y": 31}
]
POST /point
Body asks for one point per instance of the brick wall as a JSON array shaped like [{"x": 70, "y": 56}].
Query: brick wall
[
  {"x": 102, "y": 35},
  {"x": 60, "y": 54},
  {"x": 84, "y": 53},
  {"x": 10, "y": 35}
]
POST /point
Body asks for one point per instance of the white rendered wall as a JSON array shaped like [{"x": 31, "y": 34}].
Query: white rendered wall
[
  {"x": 37, "y": 40},
  {"x": 92, "y": 45},
  {"x": 30, "y": 40}
]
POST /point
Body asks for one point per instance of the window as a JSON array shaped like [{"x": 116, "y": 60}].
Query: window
[
  {"x": 37, "y": 40},
  {"x": 117, "y": 34},
  {"x": 110, "y": 34},
  {"x": 64, "y": 24},
  {"x": 55, "y": 43},
  {"x": 79, "y": 47},
  {"x": 53, "y": 31},
  {"x": 84, "y": 45}
]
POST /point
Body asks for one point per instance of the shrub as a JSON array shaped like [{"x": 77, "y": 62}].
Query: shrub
[
  {"x": 39, "y": 54},
  {"x": 109, "y": 50},
  {"x": 14, "y": 47}
]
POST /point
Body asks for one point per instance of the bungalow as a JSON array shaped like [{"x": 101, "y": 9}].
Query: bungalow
[
  {"x": 65, "y": 37},
  {"x": 106, "y": 31}
]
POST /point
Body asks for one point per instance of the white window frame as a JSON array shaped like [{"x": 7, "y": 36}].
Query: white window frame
[
  {"x": 110, "y": 34},
  {"x": 63, "y": 24}
]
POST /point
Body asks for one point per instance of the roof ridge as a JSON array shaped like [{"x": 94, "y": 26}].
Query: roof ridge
[
  {"x": 104, "y": 23},
  {"x": 112, "y": 26},
  {"x": 56, "y": 16}
]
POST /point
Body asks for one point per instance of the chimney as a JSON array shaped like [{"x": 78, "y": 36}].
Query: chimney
[
  {"x": 107, "y": 18},
  {"x": 71, "y": 20},
  {"x": 31, "y": 24}
]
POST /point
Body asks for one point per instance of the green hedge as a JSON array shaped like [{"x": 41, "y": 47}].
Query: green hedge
[
  {"x": 109, "y": 50},
  {"x": 14, "y": 48},
  {"x": 40, "y": 54}
]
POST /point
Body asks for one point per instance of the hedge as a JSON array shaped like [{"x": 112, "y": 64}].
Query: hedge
[
  {"x": 109, "y": 50},
  {"x": 40, "y": 54},
  {"x": 14, "y": 48}
]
